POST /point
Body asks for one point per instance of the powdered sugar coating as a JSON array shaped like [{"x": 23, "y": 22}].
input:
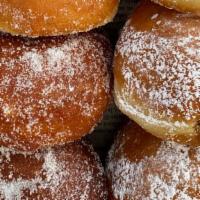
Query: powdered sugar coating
[
  {"x": 46, "y": 85},
  {"x": 171, "y": 172},
  {"x": 157, "y": 68},
  {"x": 50, "y": 18},
  {"x": 71, "y": 172},
  {"x": 171, "y": 66},
  {"x": 187, "y": 6}
]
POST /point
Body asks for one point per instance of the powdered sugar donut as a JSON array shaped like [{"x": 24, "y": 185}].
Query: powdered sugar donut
[
  {"x": 49, "y": 18},
  {"x": 142, "y": 166},
  {"x": 188, "y": 6},
  {"x": 71, "y": 172},
  {"x": 52, "y": 90},
  {"x": 157, "y": 72}
]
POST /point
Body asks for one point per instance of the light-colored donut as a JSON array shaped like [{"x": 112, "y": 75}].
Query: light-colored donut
[
  {"x": 49, "y": 18},
  {"x": 187, "y": 6}
]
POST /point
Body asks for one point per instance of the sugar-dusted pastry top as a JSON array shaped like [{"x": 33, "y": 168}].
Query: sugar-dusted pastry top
[
  {"x": 50, "y": 18},
  {"x": 142, "y": 166},
  {"x": 157, "y": 71},
  {"x": 71, "y": 172},
  {"x": 52, "y": 90}
]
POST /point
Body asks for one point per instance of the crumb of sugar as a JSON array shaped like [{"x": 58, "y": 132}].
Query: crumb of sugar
[{"x": 154, "y": 16}]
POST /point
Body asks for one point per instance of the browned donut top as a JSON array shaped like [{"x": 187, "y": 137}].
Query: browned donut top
[
  {"x": 157, "y": 63},
  {"x": 50, "y": 17},
  {"x": 142, "y": 166},
  {"x": 52, "y": 90},
  {"x": 70, "y": 172}
]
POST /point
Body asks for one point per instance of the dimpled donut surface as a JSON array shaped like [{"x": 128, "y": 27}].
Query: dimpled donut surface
[
  {"x": 143, "y": 167},
  {"x": 157, "y": 72},
  {"x": 49, "y": 17},
  {"x": 187, "y": 6},
  {"x": 70, "y": 172},
  {"x": 52, "y": 90}
]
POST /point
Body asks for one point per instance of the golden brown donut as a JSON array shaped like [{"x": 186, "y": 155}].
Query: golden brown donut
[
  {"x": 187, "y": 6},
  {"x": 71, "y": 172},
  {"x": 52, "y": 90},
  {"x": 143, "y": 167},
  {"x": 49, "y": 18},
  {"x": 157, "y": 72}
]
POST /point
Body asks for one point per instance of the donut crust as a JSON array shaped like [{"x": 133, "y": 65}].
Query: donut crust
[
  {"x": 50, "y": 18},
  {"x": 52, "y": 90},
  {"x": 142, "y": 166},
  {"x": 186, "y": 6},
  {"x": 156, "y": 71},
  {"x": 72, "y": 172}
]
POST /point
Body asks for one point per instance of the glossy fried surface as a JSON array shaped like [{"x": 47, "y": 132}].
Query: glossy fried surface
[{"x": 49, "y": 18}]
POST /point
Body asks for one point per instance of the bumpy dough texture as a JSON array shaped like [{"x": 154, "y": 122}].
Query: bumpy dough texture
[
  {"x": 187, "y": 6},
  {"x": 142, "y": 166},
  {"x": 71, "y": 172},
  {"x": 50, "y": 17},
  {"x": 52, "y": 90},
  {"x": 157, "y": 72}
]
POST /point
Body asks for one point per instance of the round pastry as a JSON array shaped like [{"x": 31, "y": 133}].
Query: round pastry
[
  {"x": 187, "y": 6},
  {"x": 142, "y": 166},
  {"x": 49, "y": 18},
  {"x": 52, "y": 90},
  {"x": 71, "y": 172},
  {"x": 156, "y": 69}
]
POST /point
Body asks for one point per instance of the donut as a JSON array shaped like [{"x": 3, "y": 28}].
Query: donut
[
  {"x": 71, "y": 172},
  {"x": 50, "y": 18},
  {"x": 156, "y": 70},
  {"x": 52, "y": 90},
  {"x": 186, "y": 6},
  {"x": 142, "y": 166}
]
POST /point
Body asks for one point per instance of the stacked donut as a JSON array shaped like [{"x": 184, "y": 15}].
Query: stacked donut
[
  {"x": 53, "y": 90},
  {"x": 157, "y": 84}
]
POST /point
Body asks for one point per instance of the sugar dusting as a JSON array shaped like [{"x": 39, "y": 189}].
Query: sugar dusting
[
  {"x": 34, "y": 20},
  {"x": 187, "y": 6},
  {"x": 170, "y": 66},
  {"x": 170, "y": 174},
  {"x": 41, "y": 79},
  {"x": 66, "y": 173},
  {"x": 135, "y": 110}
]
